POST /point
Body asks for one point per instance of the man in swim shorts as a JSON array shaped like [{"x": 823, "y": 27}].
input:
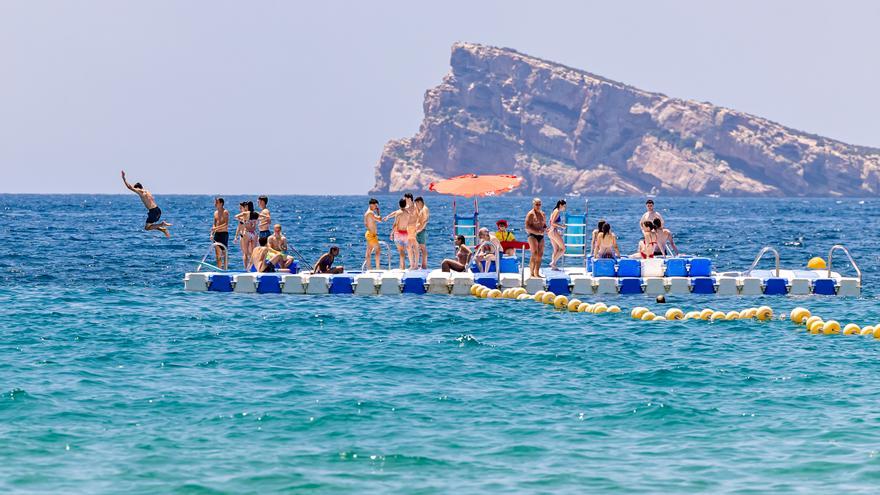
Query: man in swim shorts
[
  {"x": 421, "y": 233},
  {"x": 277, "y": 241},
  {"x": 325, "y": 262},
  {"x": 536, "y": 226},
  {"x": 399, "y": 230},
  {"x": 265, "y": 216},
  {"x": 153, "y": 211},
  {"x": 649, "y": 215},
  {"x": 371, "y": 235},
  {"x": 220, "y": 233}
]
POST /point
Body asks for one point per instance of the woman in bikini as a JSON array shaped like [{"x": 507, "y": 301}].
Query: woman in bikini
[
  {"x": 648, "y": 246},
  {"x": 606, "y": 243},
  {"x": 462, "y": 256},
  {"x": 595, "y": 236},
  {"x": 555, "y": 234},
  {"x": 536, "y": 225},
  {"x": 247, "y": 241}
]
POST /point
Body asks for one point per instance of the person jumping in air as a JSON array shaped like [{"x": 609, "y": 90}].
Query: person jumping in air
[{"x": 153, "y": 211}]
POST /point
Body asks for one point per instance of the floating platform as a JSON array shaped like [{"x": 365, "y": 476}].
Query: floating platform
[{"x": 655, "y": 276}]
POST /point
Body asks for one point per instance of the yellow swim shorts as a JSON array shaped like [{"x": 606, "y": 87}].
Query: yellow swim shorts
[{"x": 371, "y": 238}]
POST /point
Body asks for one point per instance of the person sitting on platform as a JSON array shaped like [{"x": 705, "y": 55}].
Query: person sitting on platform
[
  {"x": 508, "y": 241},
  {"x": 664, "y": 236},
  {"x": 488, "y": 249},
  {"x": 606, "y": 243},
  {"x": 462, "y": 255},
  {"x": 595, "y": 236},
  {"x": 325, "y": 262},
  {"x": 260, "y": 258},
  {"x": 648, "y": 247}
]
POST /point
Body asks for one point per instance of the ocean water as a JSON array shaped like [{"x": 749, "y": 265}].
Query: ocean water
[{"x": 113, "y": 379}]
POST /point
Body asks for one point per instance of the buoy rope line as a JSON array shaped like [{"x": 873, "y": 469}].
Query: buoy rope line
[{"x": 798, "y": 316}]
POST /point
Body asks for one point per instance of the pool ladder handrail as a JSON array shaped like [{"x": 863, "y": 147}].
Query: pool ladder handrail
[
  {"x": 211, "y": 251},
  {"x": 365, "y": 266},
  {"x": 849, "y": 256},
  {"x": 761, "y": 253}
]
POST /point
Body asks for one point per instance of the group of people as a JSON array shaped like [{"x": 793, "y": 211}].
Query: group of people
[
  {"x": 408, "y": 232},
  {"x": 265, "y": 250},
  {"x": 655, "y": 240}
]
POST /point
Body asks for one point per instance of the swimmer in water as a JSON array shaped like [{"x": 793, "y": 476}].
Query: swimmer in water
[
  {"x": 153, "y": 211},
  {"x": 536, "y": 225}
]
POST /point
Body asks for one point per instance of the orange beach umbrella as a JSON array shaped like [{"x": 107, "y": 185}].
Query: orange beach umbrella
[{"x": 471, "y": 185}]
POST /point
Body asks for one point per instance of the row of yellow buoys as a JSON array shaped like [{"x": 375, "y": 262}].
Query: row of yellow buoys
[
  {"x": 763, "y": 313},
  {"x": 545, "y": 297},
  {"x": 816, "y": 324}
]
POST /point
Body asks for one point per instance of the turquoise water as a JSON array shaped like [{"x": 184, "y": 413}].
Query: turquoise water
[{"x": 115, "y": 380}]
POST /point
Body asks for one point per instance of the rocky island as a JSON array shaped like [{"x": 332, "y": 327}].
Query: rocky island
[{"x": 569, "y": 131}]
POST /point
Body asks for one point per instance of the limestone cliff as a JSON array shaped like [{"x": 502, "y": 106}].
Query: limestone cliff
[{"x": 569, "y": 131}]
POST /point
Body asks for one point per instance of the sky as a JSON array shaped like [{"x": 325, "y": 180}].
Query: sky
[{"x": 215, "y": 97}]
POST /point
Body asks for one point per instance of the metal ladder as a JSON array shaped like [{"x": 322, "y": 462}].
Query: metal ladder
[
  {"x": 765, "y": 250},
  {"x": 849, "y": 256}
]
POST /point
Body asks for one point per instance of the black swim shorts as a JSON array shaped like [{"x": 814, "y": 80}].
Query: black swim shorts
[
  {"x": 153, "y": 215},
  {"x": 265, "y": 233},
  {"x": 222, "y": 238}
]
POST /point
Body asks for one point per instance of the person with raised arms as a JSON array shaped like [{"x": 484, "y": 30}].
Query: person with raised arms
[{"x": 153, "y": 211}]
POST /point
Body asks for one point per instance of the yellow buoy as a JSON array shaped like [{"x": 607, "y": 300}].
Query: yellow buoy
[
  {"x": 520, "y": 291},
  {"x": 809, "y": 321},
  {"x": 647, "y": 316},
  {"x": 573, "y": 304},
  {"x": 692, "y": 315},
  {"x": 637, "y": 312},
  {"x": 868, "y": 330},
  {"x": 831, "y": 327},
  {"x": 764, "y": 313},
  {"x": 614, "y": 308},
  {"x": 732, "y": 315},
  {"x": 494, "y": 294},
  {"x": 717, "y": 315},
  {"x": 540, "y": 295},
  {"x": 599, "y": 308},
  {"x": 851, "y": 329},
  {"x": 816, "y": 263},
  {"x": 548, "y": 298},
  {"x": 674, "y": 314},
  {"x": 583, "y": 308},
  {"x": 816, "y": 326},
  {"x": 484, "y": 292},
  {"x": 560, "y": 302},
  {"x": 659, "y": 318},
  {"x": 505, "y": 293},
  {"x": 706, "y": 314},
  {"x": 523, "y": 297},
  {"x": 877, "y": 332},
  {"x": 475, "y": 288},
  {"x": 800, "y": 315},
  {"x": 748, "y": 313}
]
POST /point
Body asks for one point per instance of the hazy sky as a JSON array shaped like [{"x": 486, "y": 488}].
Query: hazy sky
[{"x": 289, "y": 97}]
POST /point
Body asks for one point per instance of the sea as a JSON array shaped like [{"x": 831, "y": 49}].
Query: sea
[{"x": 113, "y": 379}]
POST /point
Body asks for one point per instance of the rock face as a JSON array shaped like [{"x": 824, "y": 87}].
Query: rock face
[{"x": 569, "y": 131}]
